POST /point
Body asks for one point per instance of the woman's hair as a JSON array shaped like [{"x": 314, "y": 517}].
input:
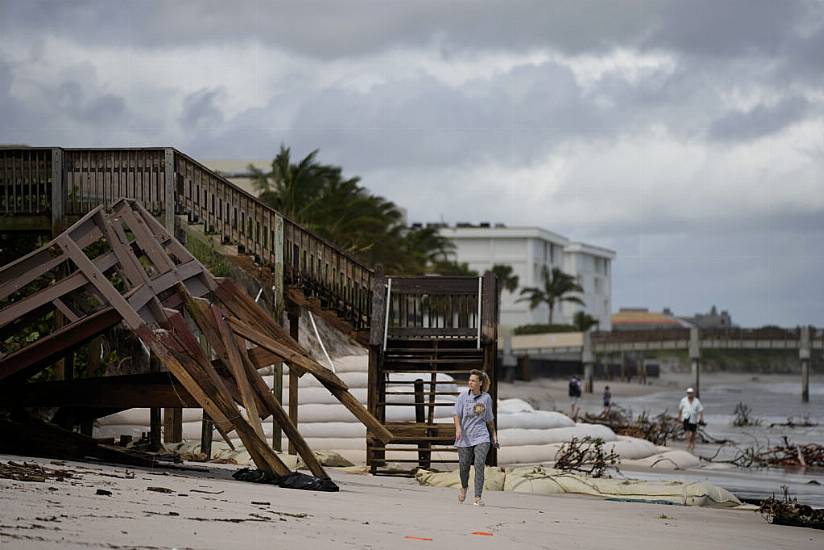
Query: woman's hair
[{"x": 482, "y": 377}]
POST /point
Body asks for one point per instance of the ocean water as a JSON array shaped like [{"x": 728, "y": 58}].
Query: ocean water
[{"x": 772, "y": 399}]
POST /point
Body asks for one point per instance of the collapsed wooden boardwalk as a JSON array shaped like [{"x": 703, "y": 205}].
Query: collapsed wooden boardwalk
[{"x": 122, "y": 267}]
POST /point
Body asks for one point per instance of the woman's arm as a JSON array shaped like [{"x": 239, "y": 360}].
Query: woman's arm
[
  {"x": 457, "y": 428},
  {"x": 491, "y": 426}
]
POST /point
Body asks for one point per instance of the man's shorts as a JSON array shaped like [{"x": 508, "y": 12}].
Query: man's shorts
[
  {"x": 690, "y": 427},
  {"x": 574, "y": 399}
]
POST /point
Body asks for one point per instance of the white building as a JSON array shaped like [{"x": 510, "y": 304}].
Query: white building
[{"x": 528, "y": 250}]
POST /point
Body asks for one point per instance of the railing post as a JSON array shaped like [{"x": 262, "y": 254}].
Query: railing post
[
  {"x": 279, "y": 294},
  {"x": 587, "y": 359},
  {"x": 169, "y": 190},
  {"x": 58, "y": 193},
  {"x": 695, "y": 360},
  {"x": 804, "y": 356},
  {"x": 293, "y": 312}
]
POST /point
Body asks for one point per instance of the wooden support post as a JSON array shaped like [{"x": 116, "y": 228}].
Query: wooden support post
[
  {"x": 642, "y": 368},
  {"x": 623, "y": 366},
  {"x": 169, "y": 190},
  {"x": 172, "y": 425},
  {"x": 206, "y": 431},
  {"x": 277, "y": 392},
  {"x": 804, "y": 354},
  {"x": 587, "y": 359},
  {"x": 424, "y": 454},
  {"x": 155, "y": 422},
  {"x": 293, "y": 312},
  {"x": 58, "y": 193},
  {"x": 695, "y": 360},
  {"x": 279, "y": 293}
]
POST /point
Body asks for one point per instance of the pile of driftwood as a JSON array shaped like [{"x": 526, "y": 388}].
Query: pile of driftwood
[
  {"x": 788, "y": 511},
  {"x": 788, "y": 454},
  {"x": 658, "y": 429},
  {"x": 587, "y": 456}
]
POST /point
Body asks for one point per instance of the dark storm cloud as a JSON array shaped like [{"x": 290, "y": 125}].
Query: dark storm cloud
[
  {"x": 201, "y": 111},
  {"x": 759, "y": 121},
  {"x": 334, "y": 29}
]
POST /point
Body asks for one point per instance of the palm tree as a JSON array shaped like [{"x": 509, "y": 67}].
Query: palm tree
[
  {"x": 506, "y": 281},
  {"x": 320, "y": 198},
  {"x": 557, "y": 285},
  {"x": 583, "y": 321}
]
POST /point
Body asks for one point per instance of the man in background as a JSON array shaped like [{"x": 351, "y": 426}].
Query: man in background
[{"x": 691, "y": 413}]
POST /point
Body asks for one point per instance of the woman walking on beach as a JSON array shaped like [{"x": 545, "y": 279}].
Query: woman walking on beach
[{"x": 474, "y": 424}]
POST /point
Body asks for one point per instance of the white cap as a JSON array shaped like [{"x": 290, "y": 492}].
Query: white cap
[{"x": 690, "y": 390}]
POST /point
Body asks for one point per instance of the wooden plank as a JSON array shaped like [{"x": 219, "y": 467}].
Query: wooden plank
[
  {"x": 50, "y": 348},
  {"x": 283, "y": 420},
  {"x": 99, "y": 281},
  {"x": 235, "y": 363},
  {"x": 326, "y": 377},
  {"x": 264, "y": 457},
  {"x": 294, "y": 384},
  {"x": 124, "y": 391}
]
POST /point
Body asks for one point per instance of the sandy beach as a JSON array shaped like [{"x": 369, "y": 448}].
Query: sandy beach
[{"x": 212, "y": 510}]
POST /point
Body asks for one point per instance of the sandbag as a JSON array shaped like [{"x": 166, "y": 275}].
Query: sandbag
[
  {"x": 630, "y": 448},
  {"x": 538, "y": 480},
  {"x": 673, "y": 459},
  {"x": 493, "y": 478},
  {"x": 520, "y": 436},
  {"x": 533, "y": 420},
  {"x": 514, "y": 405}
]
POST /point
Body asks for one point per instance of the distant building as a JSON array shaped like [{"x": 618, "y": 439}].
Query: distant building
[
  {"x": 237, "y": 171},
  {"x": 528, "y": 250},
  {"x": 644, "y": 319},
  {"x": 713, "y": 319}
]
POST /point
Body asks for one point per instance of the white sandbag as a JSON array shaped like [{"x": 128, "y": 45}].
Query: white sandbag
[
  {"x": 673, "y": 459},
  {"x": 116, "y": 430},
  {"x": 533, "y": 420},
  {"x": 320, "y": 395},
  {"x": 130, "y": 417},
  {"x": 350, "y": 363},
  {"x": 493, "y": 479},
  {"x": 527, "y": 454},
  {"x": 538, "y": 480},
  {"x": 520, "y": 436},
  {"x": 514, "y": 406},
  {"x": 630, "y": 448},
  {"x": 338, "y": 413},
  {"x": 351, "y": 379}
]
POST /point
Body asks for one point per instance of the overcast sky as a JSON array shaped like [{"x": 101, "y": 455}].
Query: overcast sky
[{"x": 688, "y": 136}]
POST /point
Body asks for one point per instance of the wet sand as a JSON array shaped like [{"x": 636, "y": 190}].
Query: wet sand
[{"x": 211, "y": 510}]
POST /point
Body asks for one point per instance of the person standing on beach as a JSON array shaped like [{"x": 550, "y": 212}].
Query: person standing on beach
[
  {"x": 474, "y": 424},
  {"x": 607, "y": 401},
  {"x": 691, "y": 412},
  {"x": 575, "y": 388}
]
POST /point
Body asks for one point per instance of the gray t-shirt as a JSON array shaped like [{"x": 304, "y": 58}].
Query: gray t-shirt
[{"x": 473, "y": 411}]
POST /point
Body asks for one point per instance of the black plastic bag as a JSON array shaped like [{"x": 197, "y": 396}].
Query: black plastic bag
[{"x": 293, "y": 480}]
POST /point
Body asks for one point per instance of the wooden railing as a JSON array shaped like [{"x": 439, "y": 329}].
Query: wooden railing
[
  {"x": 167, "y": 182},
  {"x": 26, "y": 176},
  {"x": 447, "y": 307}
]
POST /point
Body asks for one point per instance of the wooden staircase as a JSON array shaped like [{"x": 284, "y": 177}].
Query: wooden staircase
[{"x": 422, "y": 329}]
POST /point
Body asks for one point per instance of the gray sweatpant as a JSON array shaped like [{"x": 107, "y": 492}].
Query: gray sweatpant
[{"x": 466, "y": 457}]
